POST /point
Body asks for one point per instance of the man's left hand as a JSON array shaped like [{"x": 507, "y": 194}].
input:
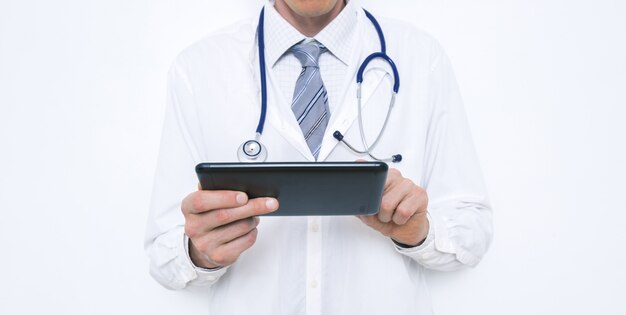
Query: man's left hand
[{"x": 402, "y": 214}]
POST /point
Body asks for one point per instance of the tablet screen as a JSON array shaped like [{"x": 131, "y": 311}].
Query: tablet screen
[{"x": 303, "y": 188}]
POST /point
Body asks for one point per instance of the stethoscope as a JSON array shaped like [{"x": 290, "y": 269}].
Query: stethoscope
[{"x": 255, "y": 151}]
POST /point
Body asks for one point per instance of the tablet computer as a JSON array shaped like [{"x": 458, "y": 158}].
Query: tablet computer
[{"x": 307, "y": 188}]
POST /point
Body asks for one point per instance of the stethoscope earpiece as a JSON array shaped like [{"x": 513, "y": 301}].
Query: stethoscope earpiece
[{"x": 337, "y": 135}]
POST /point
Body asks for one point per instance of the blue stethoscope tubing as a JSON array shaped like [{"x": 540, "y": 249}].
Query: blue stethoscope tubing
[{"x": 253, "y": 150}]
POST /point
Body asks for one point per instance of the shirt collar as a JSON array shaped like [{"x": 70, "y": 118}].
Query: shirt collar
[{"x": 337, "y": 37}]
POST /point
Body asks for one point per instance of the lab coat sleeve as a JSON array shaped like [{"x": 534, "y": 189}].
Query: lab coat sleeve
[
  {"x": 459, "y": 212},
  {"x": 165, "y": 241}
]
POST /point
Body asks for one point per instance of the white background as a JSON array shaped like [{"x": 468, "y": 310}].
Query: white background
[{"x": 82, "y": 92}]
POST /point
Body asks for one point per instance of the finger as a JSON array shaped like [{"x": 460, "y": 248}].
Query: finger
[
  {"x": 207, "y": 200},
  {"x": 229, "y": 232},
  {"x": 392, "y": 198},
  {"x": 228, "y": 253},
  {"x": 406, "y": 209},
  {"x": 370, "y": 220},
  {"x": 373, "y": 222},
  {"x": 208, "y": 243},
  {"x": 387, "y": 205},
  {"x": 393, "y": 177},
  {"x": 254, "y": 207}
]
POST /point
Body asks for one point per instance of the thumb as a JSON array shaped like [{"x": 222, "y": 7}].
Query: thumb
[{"x": 371, "y": 221}]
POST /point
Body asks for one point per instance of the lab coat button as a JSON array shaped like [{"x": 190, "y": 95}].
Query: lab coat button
[
  {"x": 314, "y": 284},
  {"x": 315, "y": 227}
]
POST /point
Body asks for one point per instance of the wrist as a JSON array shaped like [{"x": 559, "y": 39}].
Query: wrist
[
  {"x": 405, "y": 245},
  {"x": 198, "y": 259},
  {"x": 414, "y": 240}
]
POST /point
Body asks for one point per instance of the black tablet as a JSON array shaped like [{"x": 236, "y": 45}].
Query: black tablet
[{"x": 309, "y": 188}]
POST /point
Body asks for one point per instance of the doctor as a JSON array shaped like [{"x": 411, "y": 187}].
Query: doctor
[{"x": 434, "y": 215}]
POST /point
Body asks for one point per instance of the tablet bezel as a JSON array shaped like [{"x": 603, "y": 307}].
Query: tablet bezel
[{"x": 339, "y": 188}]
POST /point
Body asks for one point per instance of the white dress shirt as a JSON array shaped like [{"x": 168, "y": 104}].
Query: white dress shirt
[{"x": 319, "y": 265}]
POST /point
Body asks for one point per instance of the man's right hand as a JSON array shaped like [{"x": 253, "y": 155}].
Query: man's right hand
[{"x": 222, "y": 224}]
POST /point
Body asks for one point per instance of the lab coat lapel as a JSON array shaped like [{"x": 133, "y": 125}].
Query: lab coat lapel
[{"x": 347, "y": 113}]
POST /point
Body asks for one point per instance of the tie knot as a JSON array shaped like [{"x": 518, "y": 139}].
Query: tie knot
[{"x": 308, "y": 53}]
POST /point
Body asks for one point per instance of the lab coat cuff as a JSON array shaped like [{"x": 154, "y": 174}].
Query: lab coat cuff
[
  {"x": 437, "y": 243},
  {"x": 426, "y": 245},
  {"x": 202, "y": 276},
  {"x": 443, "y": 242}
]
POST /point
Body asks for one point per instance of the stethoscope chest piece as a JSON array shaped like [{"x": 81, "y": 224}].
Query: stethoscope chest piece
[{"x": 252, "y": 151}]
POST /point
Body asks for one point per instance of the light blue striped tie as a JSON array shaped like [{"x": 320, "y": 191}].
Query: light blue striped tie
[{"x": 310, "y": 101}]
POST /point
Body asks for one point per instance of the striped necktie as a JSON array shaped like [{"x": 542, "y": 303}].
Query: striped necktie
[{"x": 310, "y": 101}]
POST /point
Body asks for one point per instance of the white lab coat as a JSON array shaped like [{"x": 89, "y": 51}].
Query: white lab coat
[{"x": 321, "y": 265}]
